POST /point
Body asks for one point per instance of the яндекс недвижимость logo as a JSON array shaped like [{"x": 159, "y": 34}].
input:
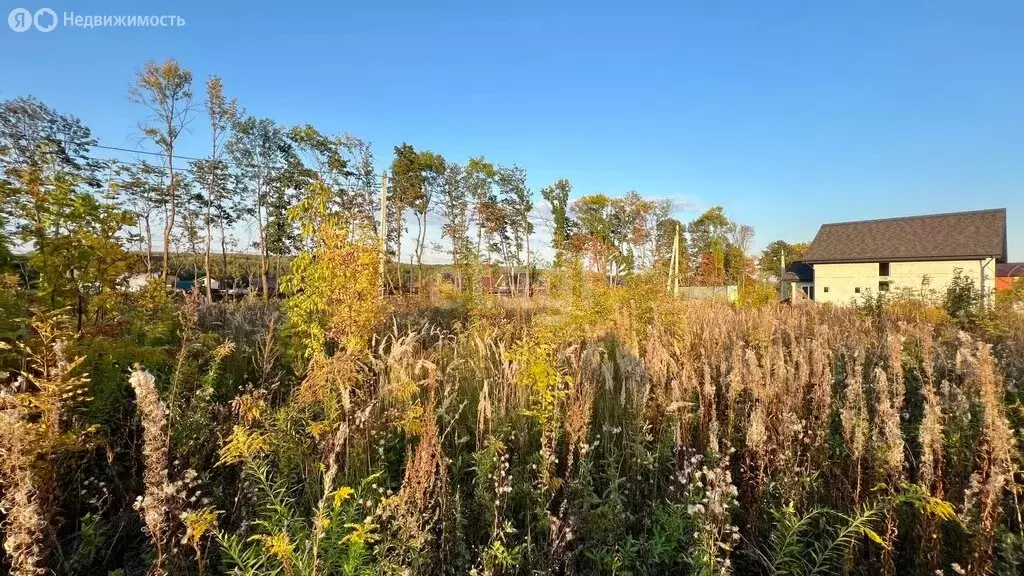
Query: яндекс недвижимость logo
[
  {"x": 20, "y": 19},
  {"x": 45, "y": 20}
]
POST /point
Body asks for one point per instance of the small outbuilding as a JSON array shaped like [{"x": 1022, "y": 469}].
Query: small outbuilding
[{"x": 1007, "y": 274}]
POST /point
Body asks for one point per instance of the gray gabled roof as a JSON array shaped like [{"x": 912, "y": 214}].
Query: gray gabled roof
[
  {"x": 799, "y": 272},
  {"x": 952, "y": 236}
]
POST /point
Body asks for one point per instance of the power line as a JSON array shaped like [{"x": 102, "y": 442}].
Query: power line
[
  {"x": 371, "y": 179},
  {"x": 364, "y": 183}
]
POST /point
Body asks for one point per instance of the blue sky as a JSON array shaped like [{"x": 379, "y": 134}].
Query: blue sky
[{"x": 789, "y": 114}]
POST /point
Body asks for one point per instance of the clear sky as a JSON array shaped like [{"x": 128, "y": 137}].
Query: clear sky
[{"x": 787, "y": 113}]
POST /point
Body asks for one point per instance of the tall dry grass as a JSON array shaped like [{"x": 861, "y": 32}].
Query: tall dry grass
[{"x": 602, "y": 431}]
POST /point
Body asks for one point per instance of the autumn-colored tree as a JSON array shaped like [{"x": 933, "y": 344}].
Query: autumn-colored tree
[
  {"x": 166, "y": 91},
  {"x": 708, "y": 239},
  {"x": 719, "y": 248},
  {"x": 633, "y": 221},
  {"x": 56, "y": 205},
  {"x": 333, "y": 287},
  {"x": 593, "y": 234}
]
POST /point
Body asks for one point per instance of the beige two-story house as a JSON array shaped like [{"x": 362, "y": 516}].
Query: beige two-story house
[{"x": 915, "y": 254}]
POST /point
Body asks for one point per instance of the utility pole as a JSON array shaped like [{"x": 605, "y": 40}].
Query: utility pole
[
  {"x": 782, "y": 272},
  {"x": 674, "y": 275},
  {"x": 383, "y": 231},
  {"x": 671, "y": 266}
]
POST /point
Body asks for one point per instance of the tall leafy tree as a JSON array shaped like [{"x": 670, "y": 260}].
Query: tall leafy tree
[
  {"x": 53, "y": 191},
  {"x": 432, "y": 170},
  {"x": 406, "y": 190},
  {"x": 453, "y": 205},
  {"x": 365, "y": 194},
  {"x": 45, "y": 157},
  {"x": 190, "y": 227},
  {"x": 709, "y": 238},
  {"x": 166, "y": 91},
  {"x": 770, "y": 260},
  {"x": 593, "y": 235},
  {"x": 665, "y": 238},
  {"x": 263, "y": 157},
  {"x": 141, "y": 189},
  {"x": 518, "y": 203},
  {"x": 212, "y": 173},
  {"x": 738, "y": 266},
  {"x": 633, "y": 220},
  {"x": 481, "y": 177},
  {"x": 342, "y": 163},
  {"x": 557, "y": 197}
]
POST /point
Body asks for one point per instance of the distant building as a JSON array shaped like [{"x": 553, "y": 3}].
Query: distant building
[
  {"x": 137, "y": 282},
  {"x": 1007, "y": 274},
  {"x": 214, "y": 283},
  {"x": 848, "y": 260},
  {"x": 800, "y": 276}
]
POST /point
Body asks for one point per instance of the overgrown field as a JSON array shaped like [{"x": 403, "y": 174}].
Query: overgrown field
[{"x": 598, "y": 431}]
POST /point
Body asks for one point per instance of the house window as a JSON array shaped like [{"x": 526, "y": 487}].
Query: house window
[
  {"x": 826, "y": 289},
  {"x": 883, "y": 269},
  {"x": 883, "y": 286},
  {"x": 857, "y": 290}
]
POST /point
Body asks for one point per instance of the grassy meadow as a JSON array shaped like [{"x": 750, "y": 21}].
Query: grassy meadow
[{"x": 595, "y": 430}]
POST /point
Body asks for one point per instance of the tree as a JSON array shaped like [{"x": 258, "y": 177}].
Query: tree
[
  {"x": 770, "y": 260},
  {"x": 166, "y": 90},
  {"x": 342, "y": 163},
  {"x": 432, "y": 170},
  {"x": 212, "y": 173},
  {"x": 46, "y": 159},
  {"x": 518, "y": 202},
  {"x": 454, "y": 208},
  {"x": 593, "y": 234},
  {"x": 365, "y": 197},
  {"x": 265, "y": 161},
  {"x": 406, "y": 189},
  {"x": 333, "y": 286},
  {"x": 480, "y": 179},
  {"x": 633, "y": 220},
  {"x": 53, "y": 185},
  {"x": 190, "y": 223},
  {"x": 141, "y": 188},
  {"x": 709, "y": 239},
  {"x": 665, "y": 236},
  {"x": 737, "y": 265},
  {"x": 557, "y": 197}
]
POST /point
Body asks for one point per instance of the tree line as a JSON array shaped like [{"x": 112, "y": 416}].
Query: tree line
[{"x": 81, "y": 214}]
